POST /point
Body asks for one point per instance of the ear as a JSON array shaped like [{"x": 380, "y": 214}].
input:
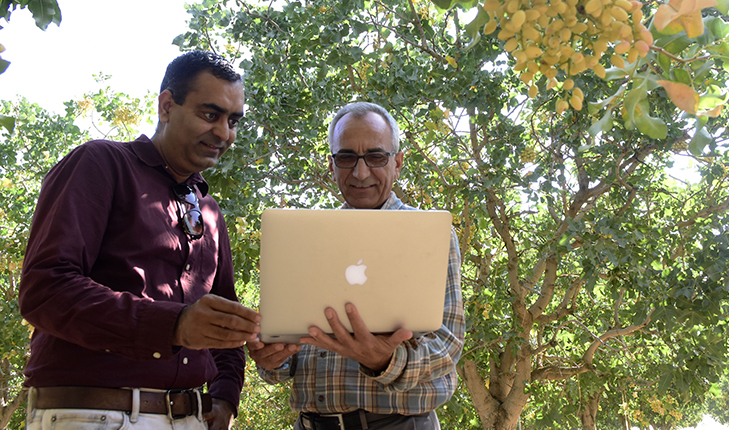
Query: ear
[
  {"x": 164, "y": 105},
  {"x": 399, "y": 157},
  {"x": 331, "y": 165}
]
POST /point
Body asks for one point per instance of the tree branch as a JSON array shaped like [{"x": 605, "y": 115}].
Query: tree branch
[
  {"x": 499, "y": 220},
  {"x": 679, "y": 59},
  {"x": 590, "y": 353},
  {"x": 564, "y": 307},
  {"x": 704, "y": 213},
  {"x": 412, "y": 141},
  {"x": 547, "y": 292}
]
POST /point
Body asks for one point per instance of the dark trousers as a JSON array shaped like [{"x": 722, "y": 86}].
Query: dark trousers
[{"x": 400, "y": 422}]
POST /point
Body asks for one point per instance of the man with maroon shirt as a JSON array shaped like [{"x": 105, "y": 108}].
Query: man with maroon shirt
[{"x": 128, "y": 275}]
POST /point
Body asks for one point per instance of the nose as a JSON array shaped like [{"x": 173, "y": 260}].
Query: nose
[
  {"x": 361, "y": 170},
  {"x": 223, "y": 132}
]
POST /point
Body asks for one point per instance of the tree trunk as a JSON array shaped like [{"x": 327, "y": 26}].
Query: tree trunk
[
  {"x": 494, "y": 414},
  {"x": 485, "y": 405},
  {"x": 588, "y": 411},
  {"x": 6, "y": 412}
]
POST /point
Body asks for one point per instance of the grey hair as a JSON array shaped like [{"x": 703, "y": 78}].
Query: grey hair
[{"x": 360, "y": 109}]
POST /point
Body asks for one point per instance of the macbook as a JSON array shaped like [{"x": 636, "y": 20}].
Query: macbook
[{"x": 392, "y": 265}]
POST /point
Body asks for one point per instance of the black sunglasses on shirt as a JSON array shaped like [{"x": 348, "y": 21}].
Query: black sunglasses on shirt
[{"x": 192, "y": 219}]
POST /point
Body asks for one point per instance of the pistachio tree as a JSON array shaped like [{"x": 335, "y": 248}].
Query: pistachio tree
[{"x": 592, "y": 267}]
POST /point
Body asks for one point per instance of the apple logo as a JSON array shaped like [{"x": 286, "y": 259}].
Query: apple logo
[{"x": 355, "y": 274}]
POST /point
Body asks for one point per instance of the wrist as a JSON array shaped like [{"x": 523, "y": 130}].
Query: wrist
[
  {"x": 378, "y": 367},
  {"x": 225, "y": 406}
]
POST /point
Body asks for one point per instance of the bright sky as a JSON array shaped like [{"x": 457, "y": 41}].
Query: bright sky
[{"x": 130, "y": 40}]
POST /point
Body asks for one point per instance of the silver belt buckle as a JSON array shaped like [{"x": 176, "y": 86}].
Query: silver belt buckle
[
  {"x": 339, "y": 416},
  {"x": 190, "y": 392}
]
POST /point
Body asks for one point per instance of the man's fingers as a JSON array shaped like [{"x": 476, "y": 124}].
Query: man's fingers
[
  {"x": 399, "y": 337},
  {"x": 255, "y": 345},
  {"x": 230, "y": 322},
  {"x": 230, "y": 307},
  {"x": 272, "y": 356},
  {"x": 340, "y": 332},
  {"x": 226, "y": 313},
  {"x": 359, "y": 328},
  {"x": 223, "y": 334},
  {"x": 216, "y": 322}
]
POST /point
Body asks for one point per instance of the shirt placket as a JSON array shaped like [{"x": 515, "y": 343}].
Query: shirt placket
[{"x": 323, "y": 390}]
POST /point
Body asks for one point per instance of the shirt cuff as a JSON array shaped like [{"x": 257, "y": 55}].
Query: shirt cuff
[
  {"x": 226, "y": 390},
  {"x": 280, "y": 374},
  {"x": 393, "y": 370},
  {"x": 157, "y": 323}
]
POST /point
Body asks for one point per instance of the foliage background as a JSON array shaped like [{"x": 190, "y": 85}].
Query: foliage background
[{"x": 630, "y": 245}]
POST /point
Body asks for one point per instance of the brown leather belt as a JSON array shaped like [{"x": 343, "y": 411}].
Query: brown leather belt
[{"x": 174, "y": 403}]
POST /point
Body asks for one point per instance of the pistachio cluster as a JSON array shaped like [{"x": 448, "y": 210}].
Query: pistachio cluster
[{"x": 572, "y": 36}]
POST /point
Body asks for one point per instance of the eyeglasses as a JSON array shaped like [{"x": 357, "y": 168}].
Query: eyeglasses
[
  {"x": 192, "y": 220},
  {"x": 348, "y": 160}
]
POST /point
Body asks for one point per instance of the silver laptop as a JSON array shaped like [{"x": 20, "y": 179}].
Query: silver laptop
[{"x": 392, "y": 265}]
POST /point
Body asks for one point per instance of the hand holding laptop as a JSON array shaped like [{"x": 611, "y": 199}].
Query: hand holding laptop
[
  {"x": 370, "y": 350},
  {"x": 215, "y": 322},
  {"x": 271, "y": 356}
]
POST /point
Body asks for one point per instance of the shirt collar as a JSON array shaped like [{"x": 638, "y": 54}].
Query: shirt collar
[{"x": 148, "y": 154}]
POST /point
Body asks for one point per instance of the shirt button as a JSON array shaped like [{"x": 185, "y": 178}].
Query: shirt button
[
  {"x": 187, "y": 267},
  {"x": 323, "y": 354},
  {"x": 184, "y": 360},
  {"x": 157, "y": 355},
  {"x": 321, "y": 398}
]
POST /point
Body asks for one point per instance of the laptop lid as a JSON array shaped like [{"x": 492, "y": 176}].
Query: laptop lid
[{"x": 392, "y": 265}]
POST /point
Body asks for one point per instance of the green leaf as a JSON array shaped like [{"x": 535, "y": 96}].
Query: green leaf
[
  {"x": 45, "y": 12},
  {"x": 674, "y": 43},
  {"x": 701, "y": 122},
  {"x": 632, "y": 99},
  {"x": 614, "y": 73},
  {"x": 701, "y": 139},
  {"x": 3, "y": 65},
  {"x": 682, "y": 76},
  {"x": 720, "y": 48},
  {"x": 595, "y": 107},
  {"x": 179, "y": 40},
  {"x": 474, "y": 41},
  {"x": 474, "y": 27},
  {"x": 8, "y": 122},
  {"x": 665, "y": 62},
  {"x": 712, "y": 98},
  {"x": 718, "y": 28},
  {"x": 604, "y": 124},
  {"x": 665, "y": 382},
  {"x": 701, "y": 73},
  {"x": 444, "y": 4},
  {"x": 651, "y": 126}
]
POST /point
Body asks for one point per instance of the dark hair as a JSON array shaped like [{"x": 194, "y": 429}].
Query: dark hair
[{"x": 183, "y": 70}]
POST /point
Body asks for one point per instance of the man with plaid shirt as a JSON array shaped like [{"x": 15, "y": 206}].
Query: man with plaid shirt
[{"x": 363, "y": 380}]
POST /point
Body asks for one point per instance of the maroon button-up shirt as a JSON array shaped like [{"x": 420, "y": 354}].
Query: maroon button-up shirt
[{"x": 108, "y": 269}]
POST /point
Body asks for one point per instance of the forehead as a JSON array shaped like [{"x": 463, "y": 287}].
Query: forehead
[
  {"x": 366, "y": 132},
  {"x": 207, "y": 89}
]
